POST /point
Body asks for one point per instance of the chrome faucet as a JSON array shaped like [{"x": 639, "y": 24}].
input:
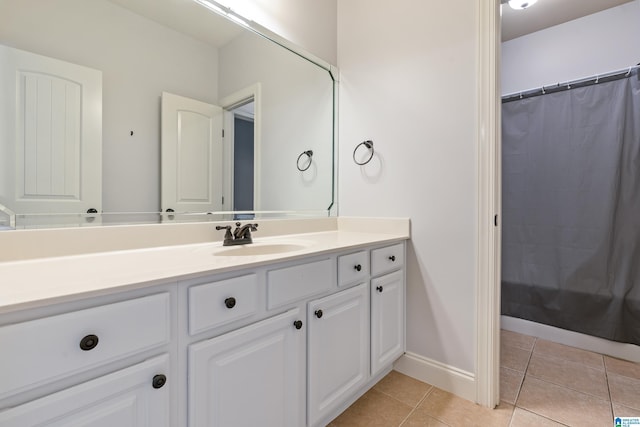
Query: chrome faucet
[{"x": 241, "y": 235}]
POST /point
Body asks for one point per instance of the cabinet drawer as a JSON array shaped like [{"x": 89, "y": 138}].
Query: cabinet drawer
[
  {"x": 287, "y": 285},
  {"x": 44, "y": 350},
  {"x": 387, "y": 258},
  {"x": 214, "y": 304},
  {"x": 353, "y": 267}
]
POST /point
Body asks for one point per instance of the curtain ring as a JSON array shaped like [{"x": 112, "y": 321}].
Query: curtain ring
[
  {"x": 307, "y": 153},
  {"x": 369, "y": 144}
]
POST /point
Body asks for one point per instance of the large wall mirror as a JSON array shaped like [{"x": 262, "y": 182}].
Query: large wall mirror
[{"x": 117, "y": 111}]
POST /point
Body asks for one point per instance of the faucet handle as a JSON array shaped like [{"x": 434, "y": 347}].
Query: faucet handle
[
  {"x": 227, "y": 235},
  {"x": 252, "y": 227}
]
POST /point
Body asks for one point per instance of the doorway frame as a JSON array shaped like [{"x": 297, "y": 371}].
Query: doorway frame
[
  {"x": 487, "y": 377},
  {"x": 228, "y": 103}
]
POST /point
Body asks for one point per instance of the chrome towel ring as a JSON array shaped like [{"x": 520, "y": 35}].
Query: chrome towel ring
[
  {"x": 369, "y": 145},
  {"x": 309, "y": 154}
]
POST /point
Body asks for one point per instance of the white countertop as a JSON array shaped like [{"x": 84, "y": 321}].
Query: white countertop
[{"x": 42, "y": 281}]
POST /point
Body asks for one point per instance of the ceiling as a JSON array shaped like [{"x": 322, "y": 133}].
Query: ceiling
[
  {"x": 547, "y": 13},
  {"x": 187, "y": 17}
]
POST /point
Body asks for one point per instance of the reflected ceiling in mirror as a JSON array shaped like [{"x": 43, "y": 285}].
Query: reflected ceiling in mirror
[{"x": 136, "y": 53}]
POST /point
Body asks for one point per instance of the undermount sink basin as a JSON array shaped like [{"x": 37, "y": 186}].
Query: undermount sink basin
[{"x": 254, "y": 249}]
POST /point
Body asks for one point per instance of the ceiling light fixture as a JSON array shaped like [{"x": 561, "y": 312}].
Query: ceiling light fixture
[{"x": 521, "y": 4}]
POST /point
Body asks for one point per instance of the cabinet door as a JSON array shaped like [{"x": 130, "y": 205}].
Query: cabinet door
[
  {"x": 387, "y": 320},
  {"x": 338, "y": 349},
  {"x": 132, "y": 397},
  {"x": 253, "y": 376}
]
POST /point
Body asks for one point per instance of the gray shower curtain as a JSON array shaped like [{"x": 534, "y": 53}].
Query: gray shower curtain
[{"x": 571, "y": 209}]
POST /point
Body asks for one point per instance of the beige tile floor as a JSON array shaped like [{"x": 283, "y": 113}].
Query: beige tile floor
[{"x": 541, "y": 384}]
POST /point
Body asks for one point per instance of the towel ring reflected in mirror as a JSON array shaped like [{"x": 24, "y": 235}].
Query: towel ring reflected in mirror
[
  {"x": 309, "y": 154},
  {"x": 369, "y": 145}
]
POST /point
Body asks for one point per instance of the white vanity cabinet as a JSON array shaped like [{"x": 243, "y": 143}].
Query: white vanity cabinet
[
  {"x": 338, "y": 349},
  {"x": 278, "y": 343}
]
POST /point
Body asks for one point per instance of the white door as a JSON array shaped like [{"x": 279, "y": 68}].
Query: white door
[
  {"x": 338, "y": 349},
  {"x": 250, "y": 377},
  {"x": 50, "y": 134},
  {"x": 127, "y": 398},
  {"x": 387, "y": 320},
  {"x": 191, "y": 172}
]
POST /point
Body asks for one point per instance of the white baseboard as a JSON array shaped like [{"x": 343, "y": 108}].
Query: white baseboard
[
  {"x": 445, "y": 377},
  {"x": 570, "y": 338}
]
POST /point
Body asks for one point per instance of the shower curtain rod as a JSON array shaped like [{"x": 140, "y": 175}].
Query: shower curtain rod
[{"x": 573, "y": 84}]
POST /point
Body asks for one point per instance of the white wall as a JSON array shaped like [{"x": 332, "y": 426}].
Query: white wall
[
  {"x": 596, "y": 44},
  {"x": 307, "y": 23},
  {"x": 408, "y": 82},
  {"x": 139, "y": 59}
]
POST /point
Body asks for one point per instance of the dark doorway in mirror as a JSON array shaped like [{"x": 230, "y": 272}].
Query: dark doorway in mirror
[{"x": 243, "y": 159}]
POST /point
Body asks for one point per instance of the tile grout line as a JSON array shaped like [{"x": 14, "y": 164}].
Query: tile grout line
[
  {"x": 556, "y": 358},
  {"x": 526, "y": 369},
  {"x": 545, "y": 417},
  {"x": 405, "y": 403},
  {"x": 417, "y": 405},
  {"x": 606, "y": 376},
  {"x": 564, "y": 386},
  {"x": 576, "y": 390},
  {"x": 575, "y": 364},
  {"x": 524, "y": 374}
]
